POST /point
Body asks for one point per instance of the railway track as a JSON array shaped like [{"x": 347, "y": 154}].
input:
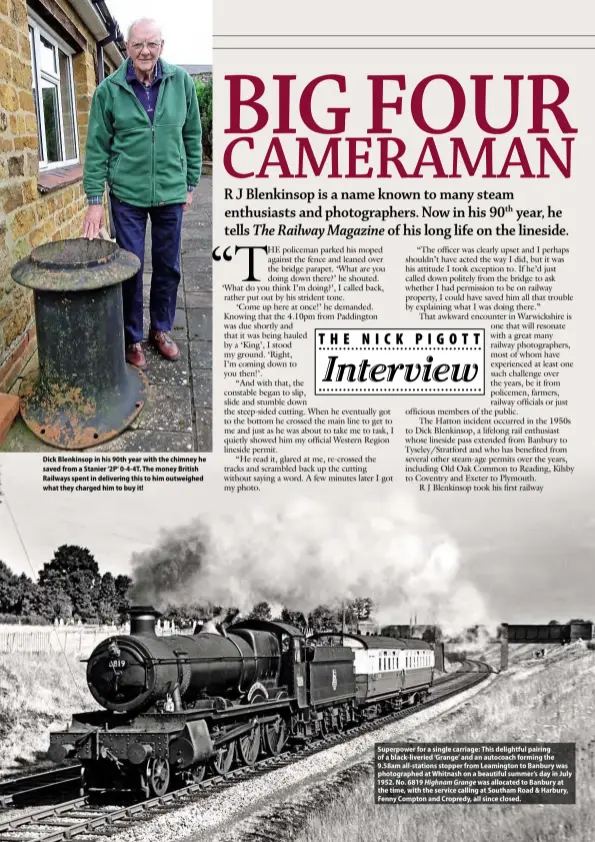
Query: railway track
[
  {"x": 86, "y": 816},
  {"x": 31, "y": 788}
]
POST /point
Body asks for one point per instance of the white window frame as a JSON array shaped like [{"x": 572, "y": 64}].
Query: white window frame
[{"x": 40, "y": 28}]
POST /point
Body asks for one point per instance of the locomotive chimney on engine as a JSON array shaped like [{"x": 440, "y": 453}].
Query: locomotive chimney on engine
[{"x": 142, "y": 619}]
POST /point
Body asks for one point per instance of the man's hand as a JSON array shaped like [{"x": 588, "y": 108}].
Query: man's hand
[
  {"x": 188, "y": 200},
  {"x": 93, "y": 221}
]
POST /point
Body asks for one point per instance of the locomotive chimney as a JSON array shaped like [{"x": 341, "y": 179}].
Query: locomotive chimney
[{"x": 142, "y": 619}]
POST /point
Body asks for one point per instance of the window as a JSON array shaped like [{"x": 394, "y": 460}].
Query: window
[{"x": 53, "y": 95}]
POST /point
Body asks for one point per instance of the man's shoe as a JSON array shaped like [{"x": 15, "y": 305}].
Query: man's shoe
[
  {"x": 165, "y": 344},
  {"x": 136, "y": 356}
]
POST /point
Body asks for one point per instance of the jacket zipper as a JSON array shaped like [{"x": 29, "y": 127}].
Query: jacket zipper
[
  {"x": 153, "y": 159},
  {"x": 157, "y": 104},
  {"x": 152, "y": 124}
]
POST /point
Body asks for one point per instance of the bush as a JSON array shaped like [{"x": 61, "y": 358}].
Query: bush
[
  {"x": 18, "y": 620},
  {"x": 204, "y": 92}
]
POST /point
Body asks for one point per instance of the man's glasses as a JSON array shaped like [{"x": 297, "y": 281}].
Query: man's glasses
[{"x": 137, "y": 46}]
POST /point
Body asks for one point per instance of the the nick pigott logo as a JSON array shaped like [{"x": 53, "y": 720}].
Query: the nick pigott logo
[{"x": 406, "y": 361}]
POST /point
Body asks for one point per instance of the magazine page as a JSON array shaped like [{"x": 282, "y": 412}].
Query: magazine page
[{"x": 295, "y": 457}]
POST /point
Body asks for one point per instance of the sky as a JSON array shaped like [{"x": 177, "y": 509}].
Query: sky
[
  {"x": 531, "y": 559},
  {"x": 187, "y": 26}
]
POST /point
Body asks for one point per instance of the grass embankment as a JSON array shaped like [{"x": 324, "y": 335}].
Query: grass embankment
[
  {"x": 38, "y": 693},
  {"x": 545, "y": 700}
]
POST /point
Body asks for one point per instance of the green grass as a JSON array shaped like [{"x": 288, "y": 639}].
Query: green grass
[
  {"x": 38, "y": 693},
  {"x": 550, "y": 700}
]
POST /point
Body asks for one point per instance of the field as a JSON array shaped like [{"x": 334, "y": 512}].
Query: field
[
  {"x": 38, "y": 693},
  {"x": 549, "y": 700}
]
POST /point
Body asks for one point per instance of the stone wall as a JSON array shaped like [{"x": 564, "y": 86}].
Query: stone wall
[{"x": 29, "y": 217}]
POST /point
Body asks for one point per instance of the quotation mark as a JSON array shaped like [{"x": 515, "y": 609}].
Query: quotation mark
[{"x": 224, "y": 256}]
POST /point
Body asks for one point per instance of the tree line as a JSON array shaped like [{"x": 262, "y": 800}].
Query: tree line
[
  {"x": 322, "y": 618},
  {"x": 71, "y": 587}
]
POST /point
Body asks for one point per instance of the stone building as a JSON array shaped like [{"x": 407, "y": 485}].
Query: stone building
[{"x": 52, "y": 55}]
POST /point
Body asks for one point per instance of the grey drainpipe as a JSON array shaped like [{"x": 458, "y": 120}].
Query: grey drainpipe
[{"x": 114, "y": 35}]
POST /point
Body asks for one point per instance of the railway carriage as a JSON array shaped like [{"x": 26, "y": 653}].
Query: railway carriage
[{"x": 395, "y": 671}]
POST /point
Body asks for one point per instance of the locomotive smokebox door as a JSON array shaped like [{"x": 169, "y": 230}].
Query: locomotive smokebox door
[{"x": 84, "y": 392}]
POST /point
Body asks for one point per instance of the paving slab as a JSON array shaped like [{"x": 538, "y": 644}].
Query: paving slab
[
  {"x": 199, "y": 282},
  {"x": 200, "y": 323},
  {"x": 202, "y": 298},
  {"x": 204, "y": 429},
  {"x": 168, "y": 409},
  {"x": 202, "y": 389},
  {"x": 201, "y": 356}
]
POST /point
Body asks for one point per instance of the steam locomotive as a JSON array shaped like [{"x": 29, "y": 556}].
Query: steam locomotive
[{"x": 174, "y": 706}]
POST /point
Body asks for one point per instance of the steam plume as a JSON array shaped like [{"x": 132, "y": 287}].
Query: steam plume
[{"x": 304, "y": 553}]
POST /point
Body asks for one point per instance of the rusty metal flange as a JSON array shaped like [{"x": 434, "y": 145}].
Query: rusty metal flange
[{"x": 84, "y": 392}]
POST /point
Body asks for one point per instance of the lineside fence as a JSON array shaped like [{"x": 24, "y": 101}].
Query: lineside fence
[{"x": 72, "y": 639}]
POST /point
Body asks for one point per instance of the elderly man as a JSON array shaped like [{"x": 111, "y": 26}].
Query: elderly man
[{"x": 144, "y": 139}]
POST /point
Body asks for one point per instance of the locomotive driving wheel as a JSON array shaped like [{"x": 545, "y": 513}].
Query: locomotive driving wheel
[
  {"x": 249, "y": 746},
  {"x": 157, "y": 776},
  {"x": 223, "y": 759},
  {"x": 275, "y": 734},
  {"x": 197, "y": 773}
]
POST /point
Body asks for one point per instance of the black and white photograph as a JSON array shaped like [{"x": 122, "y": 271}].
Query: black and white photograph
[{"x": 243, "y": 665}]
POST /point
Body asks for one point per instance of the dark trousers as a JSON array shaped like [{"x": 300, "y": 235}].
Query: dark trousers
[{"x": 130, "y": 223}]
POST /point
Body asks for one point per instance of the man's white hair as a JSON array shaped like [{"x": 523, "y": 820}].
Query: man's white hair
[{"x": 139, "y": 21}]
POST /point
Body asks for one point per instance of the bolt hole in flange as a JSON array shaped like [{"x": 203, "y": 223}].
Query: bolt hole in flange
[{"x": 42, "y": 432}]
